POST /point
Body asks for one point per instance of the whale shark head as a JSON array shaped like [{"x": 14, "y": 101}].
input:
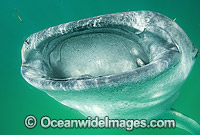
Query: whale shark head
[{"x": 118, "y": 65}]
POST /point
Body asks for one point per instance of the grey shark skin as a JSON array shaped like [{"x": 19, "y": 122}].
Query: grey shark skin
[{"x": 119, "y": 65}]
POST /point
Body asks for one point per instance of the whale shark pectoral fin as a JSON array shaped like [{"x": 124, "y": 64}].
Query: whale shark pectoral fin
[{"x": 182, "y": 121}]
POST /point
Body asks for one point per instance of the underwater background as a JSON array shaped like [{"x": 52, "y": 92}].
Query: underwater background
[{"x": 21, "y": 18}]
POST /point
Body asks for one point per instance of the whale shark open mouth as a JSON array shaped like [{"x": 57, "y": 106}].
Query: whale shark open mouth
[
  {"x": 105, "y": 51},
  {"x": 95, "y": 48},
  {"x": 118, "y": 65}
]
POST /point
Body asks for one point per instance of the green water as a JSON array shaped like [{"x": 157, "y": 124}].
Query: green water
[{"x": 18, "y": 99}]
